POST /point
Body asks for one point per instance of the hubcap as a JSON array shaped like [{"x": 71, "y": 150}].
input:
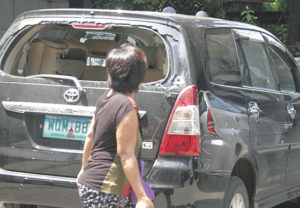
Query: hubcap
[{"x": 237, "y": 201}]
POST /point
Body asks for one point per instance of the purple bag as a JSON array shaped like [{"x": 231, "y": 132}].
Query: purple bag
[{"x": 146, "y": 186}]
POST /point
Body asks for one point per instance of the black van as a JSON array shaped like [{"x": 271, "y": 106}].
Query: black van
[{"x": 219, "y": 108}]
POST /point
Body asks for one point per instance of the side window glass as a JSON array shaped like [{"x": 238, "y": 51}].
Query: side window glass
[
  {"x": 284, "y": 71},
  {"x": 282, "y": 66},
  {"x": 222, "y": 61},
  {"x": 254, "y": 51}
]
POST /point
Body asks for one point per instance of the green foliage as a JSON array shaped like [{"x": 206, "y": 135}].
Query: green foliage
[
  {"x": 248, "y": 15},
  {"x": 280, "y": 31},
  {"x": 295, "y": 50},
  {"x": 191, "y": 7},
  {"x": 146, "y": 2},
  {"x": 276, "y": 6}
]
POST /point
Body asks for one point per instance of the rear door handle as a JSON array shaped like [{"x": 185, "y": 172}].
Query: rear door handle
[
  {"x": 287, "y": 125},
  {"x": 254, "y": 109},
  {"x": 291, "y": 110}
]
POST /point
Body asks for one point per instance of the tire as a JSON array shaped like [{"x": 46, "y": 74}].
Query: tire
[{"x": 236, "y": 195}]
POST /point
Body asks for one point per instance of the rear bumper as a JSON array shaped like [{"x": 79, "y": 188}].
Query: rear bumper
[
  {"x": 182, "y": 182},
  {"x": 203, "y": 190},
  {"x": 25, "y": 188}
]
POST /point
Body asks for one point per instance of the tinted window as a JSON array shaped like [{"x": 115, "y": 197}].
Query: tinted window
[
  {"x": 282, "y": 66},
  {"x": 283, "y": 69},
  {"x": 222, "y": 61},
  {"x": 254, "y": 51}
]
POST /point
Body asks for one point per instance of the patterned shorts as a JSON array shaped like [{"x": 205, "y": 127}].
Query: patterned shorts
[{"x": 91, "y": 198}]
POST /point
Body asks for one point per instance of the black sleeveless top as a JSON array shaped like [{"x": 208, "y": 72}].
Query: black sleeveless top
[{"x": 104, "y": 171}]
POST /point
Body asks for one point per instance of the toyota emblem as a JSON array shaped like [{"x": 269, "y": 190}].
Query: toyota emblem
[{"x": 71, "y": 95}]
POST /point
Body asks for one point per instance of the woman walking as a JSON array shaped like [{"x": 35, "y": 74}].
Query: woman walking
[{"x": 109, "y": 164}]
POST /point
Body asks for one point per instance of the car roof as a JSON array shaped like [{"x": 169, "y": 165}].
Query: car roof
[
  {"x": 170, "y": 18},
  {"x": 92, "y": 16}
]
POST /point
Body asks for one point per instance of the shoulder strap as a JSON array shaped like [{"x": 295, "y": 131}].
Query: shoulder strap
[{"x": 140, "y": 150}]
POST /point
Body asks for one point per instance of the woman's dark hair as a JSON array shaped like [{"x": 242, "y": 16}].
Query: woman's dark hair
[{"x": 126, "y": 67}]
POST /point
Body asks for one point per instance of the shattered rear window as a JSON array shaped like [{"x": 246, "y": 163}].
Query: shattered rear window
[{"x": 65, "y": 50}]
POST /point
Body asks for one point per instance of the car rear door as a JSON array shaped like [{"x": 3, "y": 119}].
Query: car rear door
[
  {"x": 44, "y": 117},
  {"x": 267, "y": 116}
]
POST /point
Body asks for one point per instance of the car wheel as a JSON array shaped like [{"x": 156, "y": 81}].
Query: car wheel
[{"x": 236, "y": 195}]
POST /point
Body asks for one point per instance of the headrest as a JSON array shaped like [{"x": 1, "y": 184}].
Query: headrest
[
  {"x": 54, "y": 43},
  {"x": 150, "y": 52},
  {"x": 75, "y": 53}
]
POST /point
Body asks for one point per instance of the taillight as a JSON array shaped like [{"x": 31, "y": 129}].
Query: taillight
[
  {"x": 210, "y": 123},
  {"x": 182, "y": 135}
]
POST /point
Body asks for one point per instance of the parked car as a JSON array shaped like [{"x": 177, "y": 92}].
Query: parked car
[{"x": 219, "y": 107}]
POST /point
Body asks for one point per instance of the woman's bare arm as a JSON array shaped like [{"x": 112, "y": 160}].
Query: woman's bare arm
[
  {"x": 126, "y": 140},
  {"x": 87, "y": 147}
]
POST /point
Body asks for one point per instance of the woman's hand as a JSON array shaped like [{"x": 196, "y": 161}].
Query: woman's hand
[
  {"x": 78, "y": 176},
  {"x": 87, "y": 148},
  {"x": 144, "y": 202}
]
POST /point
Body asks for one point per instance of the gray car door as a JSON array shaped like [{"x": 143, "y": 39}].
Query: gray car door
[
  {"x": 266, "y": 114},
  {"x": 287, "y": 75}
]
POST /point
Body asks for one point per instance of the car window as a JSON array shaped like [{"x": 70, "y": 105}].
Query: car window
[
  {"x": 282, "y": 65},
  {"x": 255, "y": 54},
  {"x": 222, "y": 61},
  {"x": 78, "y": 51},
  {"x": 284, "y": 71}
]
